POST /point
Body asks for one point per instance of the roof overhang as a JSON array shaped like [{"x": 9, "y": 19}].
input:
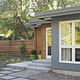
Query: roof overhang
[
  {"x": 59, "y": 12},
  {"x": 31, "y": 25},
  {"x": 46, "y": 16},
  {"x": 37, "y": 22}
]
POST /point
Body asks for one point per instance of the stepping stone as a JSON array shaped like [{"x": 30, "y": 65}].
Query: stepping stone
[
  {"x": 5, "y": 72},
  {"x": 16, "y": 70},
  {"x": 1, "y": 75},
  {"x": 7, "y": 77},
  {"x": 20, "y": 79},
  {"x": 11, "y": 69},
  {"x": 6, "y": 69}
]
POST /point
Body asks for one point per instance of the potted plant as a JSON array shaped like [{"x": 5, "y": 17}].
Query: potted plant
[
  {"x": 39, "y": 55},
  {"x": 33, "y": 54}
]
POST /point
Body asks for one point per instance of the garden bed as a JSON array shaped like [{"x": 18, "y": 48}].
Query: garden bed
[{"x": 16, "y": 59}]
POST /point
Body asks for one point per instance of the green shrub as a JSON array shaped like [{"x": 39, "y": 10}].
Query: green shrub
[
  {"x": 5, "y": 56},
  {"x": 22, "y": 48},
  {"x": 33, "y": 52}
]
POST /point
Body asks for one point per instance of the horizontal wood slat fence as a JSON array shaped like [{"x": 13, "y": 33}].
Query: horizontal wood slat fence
[{"x": 12, "y": 46}]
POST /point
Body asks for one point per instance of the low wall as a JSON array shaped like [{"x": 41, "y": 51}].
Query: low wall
[{"x": 12, "y": 46}]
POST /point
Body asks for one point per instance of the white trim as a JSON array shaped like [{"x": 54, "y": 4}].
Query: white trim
[
  {"x": 59, "y": 42},
  {"x": 73, "y": 41},
  {"x": 47, "y": 56},
  {"x": 69, "y": 21},
  {"x": 73, "y": 46}
]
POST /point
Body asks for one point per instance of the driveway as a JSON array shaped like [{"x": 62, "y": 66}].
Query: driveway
[{"x": 24, "y": 74}]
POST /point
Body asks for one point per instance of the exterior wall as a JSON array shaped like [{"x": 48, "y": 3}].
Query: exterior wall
[
  {"x": 41, "y": 39},
  {"x": 55, "y": 64}
]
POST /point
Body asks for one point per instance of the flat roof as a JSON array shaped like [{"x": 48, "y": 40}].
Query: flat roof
[{"x": 58, "y": 12}]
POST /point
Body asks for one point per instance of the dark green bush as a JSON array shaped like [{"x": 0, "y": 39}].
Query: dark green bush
[{"x": 33, "y": 52}]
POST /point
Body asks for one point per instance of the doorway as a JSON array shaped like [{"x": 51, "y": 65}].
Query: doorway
[{"x": 48, "y": 42}]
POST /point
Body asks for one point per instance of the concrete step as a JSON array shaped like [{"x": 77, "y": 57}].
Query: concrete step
[
  {"x": 40, "y": 65},
  {"x": 21, "y": 65},
  {"x": 43, "y": 69},
  {"x": 42, "y": 61}
]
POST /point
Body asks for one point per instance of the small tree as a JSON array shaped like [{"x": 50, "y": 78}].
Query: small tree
[{"x": 22, "y": 49}]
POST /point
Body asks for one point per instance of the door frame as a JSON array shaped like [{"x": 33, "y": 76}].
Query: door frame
[{"x": 47, "y": 56}]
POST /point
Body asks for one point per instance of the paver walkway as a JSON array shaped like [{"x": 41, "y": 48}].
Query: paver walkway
[
  {"x": 5, "y": 74},
  {"x": 22, "y": 74}
]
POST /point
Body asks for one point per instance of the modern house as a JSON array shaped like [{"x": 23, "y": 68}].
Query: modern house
[{"x": 58, "y": 36}]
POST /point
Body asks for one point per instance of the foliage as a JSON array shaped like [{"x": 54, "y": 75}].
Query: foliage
[
  {"x": 14, "y": 17},
  {"x": 5, "y": 56},
  {"x": 67, "y": 3},
  {"x": 42, "y": 5},
  {"x": 22, "y": 48},
  {"x": 14, "y": 14},
  {"x": 40, "y": 52},
  {"x": 33, "y": 52}
]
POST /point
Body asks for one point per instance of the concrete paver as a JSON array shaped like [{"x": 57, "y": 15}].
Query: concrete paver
[
  {"x": 25, "y": 74},
  {"x": 19, "y": 74},
  {"x": 20, "y": 79},
  {"x": 5, "y": 72},
  {"x": 7, "y": 77},
  {"x": 1, "y": 75},
  {"x": 6, "y": 68},
  {"x": 16, "y": 70}
]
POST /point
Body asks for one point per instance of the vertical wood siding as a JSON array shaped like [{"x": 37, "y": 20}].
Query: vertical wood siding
[{"x": 41, "y": 39}]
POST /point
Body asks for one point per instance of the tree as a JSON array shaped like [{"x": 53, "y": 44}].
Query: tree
[
  {"x": 42, "y": 5},
  {"x": 67, "y": 3},
  {"x": 15, "y": 16},
  {"x": 15, "y": 13}
]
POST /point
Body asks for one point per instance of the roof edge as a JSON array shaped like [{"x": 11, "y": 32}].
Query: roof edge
[{"x": 57, "y": 12}]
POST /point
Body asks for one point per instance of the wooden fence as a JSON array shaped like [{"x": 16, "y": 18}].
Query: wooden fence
[{"x": 12, "y": 46}]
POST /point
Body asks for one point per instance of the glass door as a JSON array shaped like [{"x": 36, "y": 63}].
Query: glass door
[{"x": 48, "y": 43}]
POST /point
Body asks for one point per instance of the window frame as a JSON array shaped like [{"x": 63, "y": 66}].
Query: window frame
[{"x": 73, "y": 46}]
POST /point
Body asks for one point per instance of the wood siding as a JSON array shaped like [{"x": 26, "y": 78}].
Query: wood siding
[{"x": 41, "y": 39}]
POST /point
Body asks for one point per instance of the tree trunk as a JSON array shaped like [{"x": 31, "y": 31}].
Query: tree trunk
[{"x": 24, "y": 29}]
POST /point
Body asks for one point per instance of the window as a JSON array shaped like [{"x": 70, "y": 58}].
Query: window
[
  {"x": 77, "y": 54},
  {"x": 77, "y": 33},
  {"x": 66, "y": 54},
  {"x": 69, "y": 41},
  {"x": 66, "y": 31}
]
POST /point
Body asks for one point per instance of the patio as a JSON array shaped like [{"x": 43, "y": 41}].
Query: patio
[{"x": 8, "y": 73}]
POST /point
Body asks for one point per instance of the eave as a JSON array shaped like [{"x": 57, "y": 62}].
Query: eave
[{"x": 58, "y": 12}]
